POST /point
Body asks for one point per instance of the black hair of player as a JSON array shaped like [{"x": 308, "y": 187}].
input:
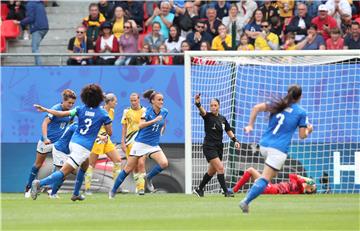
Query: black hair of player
[
  {"x": 150, "y": 94},
  {"x": 92, "y": 95},
  {"x": 293, "y": 95},
  {"x": 217, "y": 100}
]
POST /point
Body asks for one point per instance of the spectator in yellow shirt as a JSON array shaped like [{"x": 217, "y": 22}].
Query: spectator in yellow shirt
[
  {"x": 286, "y": 8},
  {"x": 289, "y": 42},
  {"x": 222, "y": 41},
  {"x": 266, "y": 40}
]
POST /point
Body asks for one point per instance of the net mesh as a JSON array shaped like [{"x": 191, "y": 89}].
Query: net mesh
[{"x": 331, "y": 90}]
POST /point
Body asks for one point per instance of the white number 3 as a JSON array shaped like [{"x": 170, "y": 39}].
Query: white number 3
[
  {"x": 88, "y": 123},
  {"x": 281, "y": 118}
]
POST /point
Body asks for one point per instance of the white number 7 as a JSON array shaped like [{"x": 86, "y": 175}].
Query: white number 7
[{"x": 280, "y": 122}]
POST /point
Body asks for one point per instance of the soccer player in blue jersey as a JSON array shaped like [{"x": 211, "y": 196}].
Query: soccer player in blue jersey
[
  {"x": 285, "y": 116},
  {"x": 60, "y": 154},
  {"x": 151, "y": 127},
  {"x": 52, "y": 128},
  {"x": 90, "y": 118}
]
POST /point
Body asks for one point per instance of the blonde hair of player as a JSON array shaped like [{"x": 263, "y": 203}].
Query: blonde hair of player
[
  {"x": 130, "y": 127},
  {"x": 107, "y": 148}
]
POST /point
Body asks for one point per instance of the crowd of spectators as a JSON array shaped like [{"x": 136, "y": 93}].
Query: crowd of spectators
[{"x": 176, "y": 26}]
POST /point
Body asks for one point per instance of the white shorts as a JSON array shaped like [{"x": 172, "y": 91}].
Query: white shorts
[
  {"x": 44, "y": 148},
  {"x": 273, "y": 157},
  {"x": 141, "y": 149},
  {"x": 78, "y": 154},
  {"x": 59, "y": 158}
]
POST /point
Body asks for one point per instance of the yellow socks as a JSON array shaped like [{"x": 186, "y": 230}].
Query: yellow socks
[
  {"x": 88, "y": 176},
  {"x": 116, "y": 170}
]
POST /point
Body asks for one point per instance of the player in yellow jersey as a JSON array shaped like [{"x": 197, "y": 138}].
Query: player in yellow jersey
[
  {"x": 130, "y": 128},
  {"x": 104, "y": 148}
]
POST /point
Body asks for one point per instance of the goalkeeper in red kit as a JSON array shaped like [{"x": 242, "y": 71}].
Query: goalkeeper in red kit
[{"x": 296, "y": 185}]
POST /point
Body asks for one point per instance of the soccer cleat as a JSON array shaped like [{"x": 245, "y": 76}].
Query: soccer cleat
[
  {"x": 88, "y": 192},
  {"x": 149, "y": 185},
  {"x": 198, "y": 192},
  {"x": 141, "y": 192},
  {"x": 124, "y": 191},
  {"x": 229, "y": 194},
  {"x": 111, "y": 195},
  {"x": 77, "y": 198},
  {"x": 35, "y": 189},
  {"x": 54, "y": 196},
  {"x": 244, "y": 207},
  {"x": 27, "y": 192}
]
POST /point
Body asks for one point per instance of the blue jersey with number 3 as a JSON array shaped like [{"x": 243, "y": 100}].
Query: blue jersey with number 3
[
  {"x": 62, "y": 144},
  {"x": 90, "y": 121},
  {"x": 150, "y": 135},
  {"x": 57, "y": 125},
  {"x": 282, "y": 127}
]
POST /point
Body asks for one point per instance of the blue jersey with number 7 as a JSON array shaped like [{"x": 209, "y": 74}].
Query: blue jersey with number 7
[
  {"x": 90, "y": 121},
  {"x": 150, "y": 135},
  {"x": 282, "y": 127}
]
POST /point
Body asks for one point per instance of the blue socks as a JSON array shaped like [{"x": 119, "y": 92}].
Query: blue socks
[
  {"x": 257, "y": 188},
  {"x": 56, "y": 186},
  {"x": 79, "y": 180},
  {"x": 156, "y": 170},
  {"x": 120, "y": 178},
  {"x": 53, "y": 178},
  {"x": 32, "y": 176}
]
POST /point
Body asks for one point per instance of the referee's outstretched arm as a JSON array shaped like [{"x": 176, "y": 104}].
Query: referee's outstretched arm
[{"x": 198, "y": 105}]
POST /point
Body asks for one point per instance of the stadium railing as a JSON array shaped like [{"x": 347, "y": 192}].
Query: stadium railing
[{"x": 64, "y": 56}]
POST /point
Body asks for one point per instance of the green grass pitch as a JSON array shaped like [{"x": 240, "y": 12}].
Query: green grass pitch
[{"x": 181, "y": 212}]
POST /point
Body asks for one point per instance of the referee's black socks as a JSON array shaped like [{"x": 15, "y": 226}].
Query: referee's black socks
[
  {"x": 221, "y": 180},
  {"x": 205, "y": 180}
]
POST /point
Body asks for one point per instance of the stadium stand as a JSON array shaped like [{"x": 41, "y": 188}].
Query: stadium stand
[
  {"x": 2, "y": 44},
  {"x": 63, "y": 21},
  {"x": 9, "y": 29}
]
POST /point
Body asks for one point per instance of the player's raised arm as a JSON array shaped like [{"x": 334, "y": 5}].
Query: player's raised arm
[
  {"x": 261, "y": 107},
  {"x": 54, "y": 112},
  {"x": 305, "y": 131},
  {"x": 44, "y": 130},
  {"x": 198, "y": 105},
  {"x": 143, "y": 123}
]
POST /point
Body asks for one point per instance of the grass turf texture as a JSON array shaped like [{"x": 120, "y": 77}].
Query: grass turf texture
[{"x": 180, "y": 212}]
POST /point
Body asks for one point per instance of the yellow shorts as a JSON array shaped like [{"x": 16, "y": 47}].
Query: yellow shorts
[
  {"x": 99, "y": 149},
  {"x": 128, "y": 149}
]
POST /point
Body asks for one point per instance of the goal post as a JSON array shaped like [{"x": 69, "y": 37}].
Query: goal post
[{"x": 331, "y": 94}]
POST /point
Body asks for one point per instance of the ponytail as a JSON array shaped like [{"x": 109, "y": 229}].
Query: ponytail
[
  {"x": 293, "y": 95},
  {"x": 150, "y": 94}
]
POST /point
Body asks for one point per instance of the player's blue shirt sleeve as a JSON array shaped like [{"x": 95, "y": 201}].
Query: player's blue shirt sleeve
[
  {"x": 57, "y": 125},
  {"x": 62, "y": 144},
  {"x": 304, "y": 120},
  {"x": 150, "y": 135},
  {"x": 106, "y": 118}
]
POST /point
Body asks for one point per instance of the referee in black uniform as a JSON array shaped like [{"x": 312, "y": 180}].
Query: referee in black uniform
[{"x": 214, "y": 124}]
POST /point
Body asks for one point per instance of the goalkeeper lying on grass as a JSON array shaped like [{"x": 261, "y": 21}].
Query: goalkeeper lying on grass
[{"x": 296, "y": 184}]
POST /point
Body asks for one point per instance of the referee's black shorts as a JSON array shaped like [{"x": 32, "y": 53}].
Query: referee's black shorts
[{"x": 213, "y": 151}]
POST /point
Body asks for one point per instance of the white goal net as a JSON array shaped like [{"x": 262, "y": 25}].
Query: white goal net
[{"x": 331, "y": 95}]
